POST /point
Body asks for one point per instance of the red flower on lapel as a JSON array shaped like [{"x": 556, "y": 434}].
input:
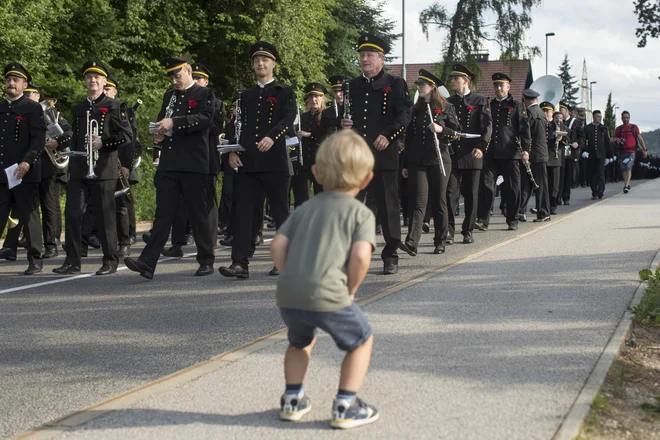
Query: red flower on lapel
[
  {"x": 437, "y": 111},
  {"x": 470, "y": 108},
  {"x": 387, "y": 89},
  {"x": 104, "y": 110},
  {"x": 510, "y": 109},
  {"x": 192, "y": 103},
  {"x": 318, "y": 123},
  {"x": 18, "y": 118},
  {"x": 271, "y": 99}
]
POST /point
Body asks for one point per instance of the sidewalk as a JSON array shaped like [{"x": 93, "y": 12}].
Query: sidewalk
[{"x": 497, "y": 347}]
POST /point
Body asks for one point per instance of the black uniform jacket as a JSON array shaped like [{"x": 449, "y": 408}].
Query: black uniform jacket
[
  {"x": 310, "y": 145},
  {"x": 538, "y": 129},
  {"x": 217, "y": 128},
  {"x": 134, "y": 149},
  {"x": 265, "y": 112},
  {"x": 22, "y": 137},
  {"x": 575, "y": 134},
  {"x": 187, "y": 150},
  {"x": 330, "y": 120},
  {"x": 473, "y": 112},
  {"x": 555, "y": 147},
  {"x": 420, "y": 144},
  {"x": 597, "y": 141},
  {"x": 381, "y": 106},
  {"x": 47, "y": 167},
  {"x": 510, "y": 127}
]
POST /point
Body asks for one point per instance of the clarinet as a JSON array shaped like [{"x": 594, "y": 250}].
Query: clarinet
[
  {"x": 436, "y": 141},
  {"x": 527, "y": 166},
  {"x": 347, "y": 101}
]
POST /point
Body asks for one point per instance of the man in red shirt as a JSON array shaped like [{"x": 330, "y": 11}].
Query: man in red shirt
[{"x": 627, "y": 137}]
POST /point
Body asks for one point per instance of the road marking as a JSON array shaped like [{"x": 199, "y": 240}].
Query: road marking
[
  {"x": 91, "y": 274},
  {"x": 69, "y": 422}
]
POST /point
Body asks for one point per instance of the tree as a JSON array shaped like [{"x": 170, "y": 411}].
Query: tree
[
  {"x": 467, "y": 29},
  {"x": 648, "y": 15},
  {"x": 609, "y": 120},
  {"x": 568, "y": 81}
]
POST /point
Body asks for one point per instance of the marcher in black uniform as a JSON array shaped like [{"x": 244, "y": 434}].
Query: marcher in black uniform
[
  {"x": 22, "y": 122},
  {"x": 331, "y": 116},
  {"x": 267, "y": 111},
  {"x": 309, "y": 137},
  {"x": 538, "y": 157},
  {"x": 467, "y": 158},
  {"x": 183, "y": 128},
  {"x": 575, "y": 142},
  {"x": 556, "y": 144},
  {"x": 381, "y": 110},
  {"x": 427, "y": 182},
  {"x": 114, "y": 131},
  {"x": 596, "y": 150},
  {"x": 510, "y": 129}
]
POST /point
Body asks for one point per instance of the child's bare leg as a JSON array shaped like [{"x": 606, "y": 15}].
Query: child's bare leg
[
  {"x": 296, "y": 361},
  {"x": 355, "y": 367}
]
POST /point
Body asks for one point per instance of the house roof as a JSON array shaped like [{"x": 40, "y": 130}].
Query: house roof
[{"x": 520, "y": 72}]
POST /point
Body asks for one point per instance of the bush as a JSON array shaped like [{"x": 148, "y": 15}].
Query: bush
[{"x": 648, "y": 309}]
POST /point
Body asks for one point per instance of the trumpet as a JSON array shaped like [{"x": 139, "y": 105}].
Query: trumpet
[{"x": 92, "y": 155}]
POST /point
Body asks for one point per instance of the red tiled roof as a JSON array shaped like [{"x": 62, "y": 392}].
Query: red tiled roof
[{"x": 520, "y": 72}]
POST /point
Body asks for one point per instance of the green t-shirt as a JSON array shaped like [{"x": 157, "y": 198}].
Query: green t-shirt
[{"x": 321, "y": 233}]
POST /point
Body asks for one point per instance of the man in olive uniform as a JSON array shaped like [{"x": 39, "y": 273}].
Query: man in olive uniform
[
  {"x": 473, "y": 112},
  {"x": 21, "y": 143},
  {"x": 267, "y": 111},
  {"x": 596, "y": 150},
  {"x": 114, "y": 131},
  {"x": 510, "y": 129},
  {"x": 381, "y": 110},
  {"x": 183, "y": 127}
]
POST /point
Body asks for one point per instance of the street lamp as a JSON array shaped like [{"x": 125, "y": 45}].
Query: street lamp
[
  {"x": 615, "y": 107},
  {"x": 403, "y": 41},
  {"x": 591, "y": 94},
  {"x": 549, "y": 34}
]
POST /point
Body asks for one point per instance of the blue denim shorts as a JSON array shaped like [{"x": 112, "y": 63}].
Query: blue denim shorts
[
  {"x": 628, "y": 166},
  {"x": 348, "y": 327}
]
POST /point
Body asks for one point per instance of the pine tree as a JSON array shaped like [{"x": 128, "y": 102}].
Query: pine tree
[
  {"x": 568, "y": 81},
  {"x": 609, "y": 120}
]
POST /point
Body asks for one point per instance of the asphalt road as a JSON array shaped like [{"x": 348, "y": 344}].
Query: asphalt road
[{"x": 67, "y": 345}]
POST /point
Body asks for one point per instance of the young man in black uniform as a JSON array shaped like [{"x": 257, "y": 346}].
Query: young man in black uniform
[
  {"x": 510, "y": 130},
  {"x": 473, "y": 112},
  {"x": 575, "y": 141},
  {"x": 114, "y": 131},
  {"x": 183, "y": 128},
  {"x": 596, "y": 149},
  {"x": 268, "y": 110},
  {"x": 22, "y": 122},
  {"x": 538, "y": 157},
  {"x": 556, "y": 145},
  {"x": 381, "y": 110},
  {"x": 335, "y": 112}
]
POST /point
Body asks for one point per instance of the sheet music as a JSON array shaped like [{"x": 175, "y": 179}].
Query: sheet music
[{"x": 12, "y": 180}]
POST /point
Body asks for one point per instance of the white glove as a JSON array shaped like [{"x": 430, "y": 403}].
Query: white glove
[
  {"x": 585, "y": 155},
  {"x": 499, "y": 181},
  {"x": 626, "y": 160},
  {"x": 607, "y": 162},
  {"x": 614, "y": 159}
]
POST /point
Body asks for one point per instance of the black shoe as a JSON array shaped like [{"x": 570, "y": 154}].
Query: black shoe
[
  {"x": 522, "y": 217},
  {"x": 258, "y": 240},
  {"x": 513, "y": 227},
  {"x": 449, "y": 241},
  {"x": 553, "y": 210},
  {"x": 8, "y": 254},
  {"x": 92, "y": 242},
  {"x": 426, "y": 228},
  {"x": 83, "y": 250},
  {"x": 227, "y": 241},
  {"x": 132, "y": 240},
  {"x": 467, "y": 237},
  {"x": 190, "y": 240},
  {"x": 533, "y": 210},
  {"x": 32, "y": 269},
  {"x": 593, "y": 197},
  {"x": 146, "y": 237},
  {"x": 379, "y": 229},
  {"x": 559, "y": 203},
  {"x": 274, "y": 272},
  {"x": 268, "y": 218},
  {"x": 407, "y": 249},
  {"x": 124, "y": 251},
  {"x": 543, "y": 219},
  {"x": 626, "y": 189},
  {"x": 173, "y": 252},
  {"x": 600, "y": 197},
  {"x": 481, "y": 226},
  {"x": 51, "y": 252},
  {"x": 234, "y": 271},
  {"x": 270, "y": 225},
  {"x": 390, "y": 268},
  {"x": 458, "y": 212},
  {"x": 67, "y": 269},
  {"x": 138, "y": 266},
  {"x": 204, "y": 269},
  {"x": 22, "y": 242},
  {"x": 566, "y": 202},
  {"x": 106, "y": 269},
  {"x": 405, "y": 222},
  {"x": 439, "y": 249}
]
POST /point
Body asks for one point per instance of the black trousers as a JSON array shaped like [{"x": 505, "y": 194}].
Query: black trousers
[
  {"x": 122, "y": 205},
  {"x": 568, "y": 182},
  {"x": 510, "y": 189},
  {"x": 383, "y": 191},
  {"x": 227, "y": 197},
  {"x": 251, "y": 191},
  {"x": 540, "y": 171},
  {"x": 132, "y": 221},
  {"x": 554, "y": 174},
  {"x": 300, "y": 185},
  {"x": 466, "y": 182},
  {"x": 427, "y": 185},
  {"x": 102, "y": 200},
  {"x": 23, "y": 200},
  {"x": 181, "y": 226},
  {"x": 51, "y": 213},
  {"x": 193, "y": 189},
  {"x": 212, "y": 203},
  {"x": 596, "y": 170}
]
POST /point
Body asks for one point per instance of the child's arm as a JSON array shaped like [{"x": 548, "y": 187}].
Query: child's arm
[
  {"x": 358, "y": 265},
  {"x": 278, "y": 250}
]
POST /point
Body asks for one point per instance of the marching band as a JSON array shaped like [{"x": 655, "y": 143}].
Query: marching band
[{"x": 442, "y": 147}]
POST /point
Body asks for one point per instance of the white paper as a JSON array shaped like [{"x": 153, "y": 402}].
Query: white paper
[
  {"x": 292, "y": 142},
  {"x": 12, "y": 180}
]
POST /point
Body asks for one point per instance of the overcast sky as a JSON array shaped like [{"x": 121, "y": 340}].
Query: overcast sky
[{"x": 600, "y": 31}]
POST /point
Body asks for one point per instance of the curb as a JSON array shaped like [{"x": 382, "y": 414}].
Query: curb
[{"x": 572, "y": 424}]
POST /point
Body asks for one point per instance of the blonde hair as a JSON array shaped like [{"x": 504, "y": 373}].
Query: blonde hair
[{"x": 343, "y": 161}]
